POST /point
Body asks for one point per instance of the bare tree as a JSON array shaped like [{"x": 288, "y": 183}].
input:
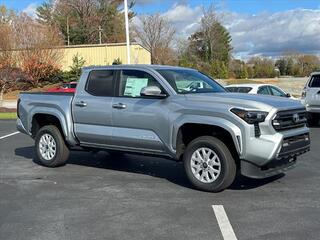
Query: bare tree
[
  {"x": 156, "y": 35},
  {"x": 6, "y": 56},
  {"x": 36, "y": 40}
]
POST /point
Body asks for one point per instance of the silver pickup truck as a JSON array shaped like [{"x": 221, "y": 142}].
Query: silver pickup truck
[
  {"x": 311, "y": 98},
  {"x": 173, "y": 112}
]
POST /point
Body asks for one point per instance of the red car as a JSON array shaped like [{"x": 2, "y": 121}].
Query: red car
[{"x": 66, "y": 87}]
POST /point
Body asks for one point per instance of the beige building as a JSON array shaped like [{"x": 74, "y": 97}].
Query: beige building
[{"x": 105, "y": 54}]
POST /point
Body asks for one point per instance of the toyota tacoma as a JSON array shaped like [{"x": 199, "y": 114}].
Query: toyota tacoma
[{"x": 174, "y": 112}]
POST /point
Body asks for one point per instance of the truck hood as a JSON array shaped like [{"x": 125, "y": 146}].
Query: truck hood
[{"x": 243, "y": 100}]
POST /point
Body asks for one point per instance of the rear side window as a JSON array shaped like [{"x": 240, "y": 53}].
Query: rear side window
[
  {"x": 239, "y": 89},
  {"x": 73, "y": 85},
  {"x": 315, "y": 81},
  {"x": 100, "y": 83},
  {"x": 264, "y": 91}
]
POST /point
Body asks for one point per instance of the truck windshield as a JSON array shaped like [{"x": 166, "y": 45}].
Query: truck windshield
[{"x": 185, "y": 81}]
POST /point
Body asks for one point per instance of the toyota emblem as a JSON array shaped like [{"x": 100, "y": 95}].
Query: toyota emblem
[{"x": 295, "y": 117}]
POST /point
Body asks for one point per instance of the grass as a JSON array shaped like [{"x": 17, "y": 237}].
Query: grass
[{"x": 8, "y": 116}]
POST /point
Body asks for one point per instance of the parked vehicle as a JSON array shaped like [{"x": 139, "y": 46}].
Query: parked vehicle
[
  {"x": 311, "y": 98},
  {"x": 149, "y": 109},
  {"x": 264, "y": 89},
  {"x": 66, "y": 87}
]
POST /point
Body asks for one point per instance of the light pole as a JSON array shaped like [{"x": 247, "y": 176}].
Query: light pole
[
  {"x": 100, "y": 35},
  {"x": 127, "y": 30}
]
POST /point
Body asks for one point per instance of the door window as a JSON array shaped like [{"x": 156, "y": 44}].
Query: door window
[
  {"x": 132, "y": 82},
  {"x": 277, "y": 92},
  {"x": 100, "y": 83},
  {"x": 263, "y": 90}
]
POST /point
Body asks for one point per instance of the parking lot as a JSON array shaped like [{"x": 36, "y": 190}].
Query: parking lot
[{"x": 96, "y": 196}]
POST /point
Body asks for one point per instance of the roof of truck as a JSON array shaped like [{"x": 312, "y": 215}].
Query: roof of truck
[{"x": 139, "y": 66}]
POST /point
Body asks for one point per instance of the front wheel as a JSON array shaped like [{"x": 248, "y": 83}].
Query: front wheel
[
  {"x": 209, "y": 165},
  {"x": 50, "y": 147}
]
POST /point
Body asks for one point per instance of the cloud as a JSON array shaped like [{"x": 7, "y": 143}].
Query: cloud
[
  {"x": 31, "y": 10},
  {"x": 272, "y": 34},
  {"x": 185, "y": 18},
  {"x": 268, "y": 34}
]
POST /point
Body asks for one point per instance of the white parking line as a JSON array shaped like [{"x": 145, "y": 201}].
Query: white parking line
[
  {"x": 224, "y": 224},
  {"x": 9, "y": 135}
]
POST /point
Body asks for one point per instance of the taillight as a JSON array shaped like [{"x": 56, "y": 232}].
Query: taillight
[{"x": 18, "y": 105}]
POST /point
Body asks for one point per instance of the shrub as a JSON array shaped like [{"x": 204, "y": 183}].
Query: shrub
[
  {"x": 13, "y": 79},
  {"x": 117, "y": 61},
  {"x": 75, "y": 70},
  {"x": 41, "y": 72}
]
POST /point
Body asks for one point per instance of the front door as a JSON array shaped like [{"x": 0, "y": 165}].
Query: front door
[
  {"x": 139, "y": 122},
  {"x": 92, "y": 108}
]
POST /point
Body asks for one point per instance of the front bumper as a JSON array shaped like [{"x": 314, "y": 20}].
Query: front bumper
[
  {"x": 313, "y": 109},
  {"x": 291, "y": 148}
]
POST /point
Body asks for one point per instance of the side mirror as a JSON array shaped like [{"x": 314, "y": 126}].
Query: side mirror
[
  {"x": 288, "y": 95},
  {"x": 152, "y": 91}
]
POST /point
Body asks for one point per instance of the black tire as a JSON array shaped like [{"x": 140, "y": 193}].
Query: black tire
[
  {"x": 313, "y": 119},
  {"x": 62, "y": 151},
  {"x": 228, "y": 164}
]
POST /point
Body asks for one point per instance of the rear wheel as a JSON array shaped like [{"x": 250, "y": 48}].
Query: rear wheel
[
  {"x": 209, "y": 164},
  {"x": 50, "y": 147}
]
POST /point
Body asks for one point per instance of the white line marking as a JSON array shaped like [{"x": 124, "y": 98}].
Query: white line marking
[
  {"x": 9, "y": 135},
  {"x": 224, "y": 224}
]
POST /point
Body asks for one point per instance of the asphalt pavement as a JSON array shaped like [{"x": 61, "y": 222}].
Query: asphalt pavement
[{"x": 98, "y": 196}]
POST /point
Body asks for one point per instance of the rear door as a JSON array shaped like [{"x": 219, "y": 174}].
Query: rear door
[
  {"x": 92, "y": 108},
  {"x": 139, "y": 122},
  {"x": 313, "y": 91}
]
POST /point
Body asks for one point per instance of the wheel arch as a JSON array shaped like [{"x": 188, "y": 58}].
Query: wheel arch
[
  {"x": 40, "y": 120},
  {"x": 224, "y": 130}
]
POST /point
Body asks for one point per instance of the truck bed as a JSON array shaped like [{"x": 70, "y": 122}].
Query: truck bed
[
  {"x": 57, "y": 104},
  {"x": 48, "y": 93}
]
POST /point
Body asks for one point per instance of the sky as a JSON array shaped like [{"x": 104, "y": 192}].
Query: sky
[{"x": 257, "y": 27}]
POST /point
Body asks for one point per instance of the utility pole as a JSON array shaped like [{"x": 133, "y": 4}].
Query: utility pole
[
  {"x": 68, "y": 31},
  {"x": 100, "y": 35},
  {"x": 127, "y": 30}
]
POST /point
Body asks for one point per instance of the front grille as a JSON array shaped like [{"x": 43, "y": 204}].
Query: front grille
[
  {"x": 290, "y": 119},
  {"x": 295, "y": 145}
]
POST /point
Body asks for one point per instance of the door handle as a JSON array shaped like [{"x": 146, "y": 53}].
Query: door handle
[
  {"x": 81, "y": 104},
  {"x": 119, "y": 106}
]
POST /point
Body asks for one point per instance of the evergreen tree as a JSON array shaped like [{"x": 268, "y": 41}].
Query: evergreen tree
[{"x": 80, "y": 19}]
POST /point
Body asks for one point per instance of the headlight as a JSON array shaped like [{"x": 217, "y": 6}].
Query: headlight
[{"x": 251, "y": 117}]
